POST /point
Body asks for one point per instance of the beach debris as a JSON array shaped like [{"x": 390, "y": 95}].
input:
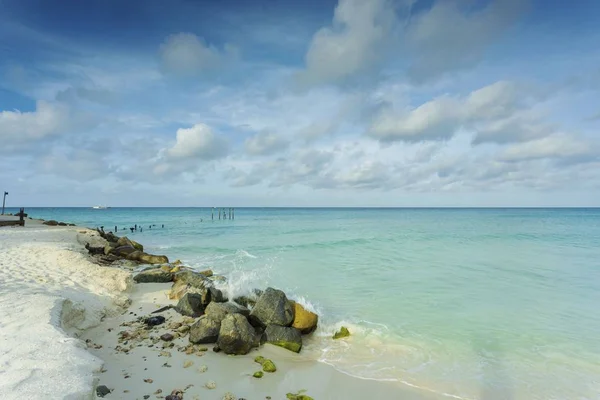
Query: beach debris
[
  {"x": 229, "y": 396},
  {"x": 183, "y": 329},
  {"x": 305, "y": 321},
  {"x": 148, "y": 380},
  {"x": 342, "y": 333},
  {"x": 187, "y": 363},
  {"x": 258, "y": 374},
  {"x": 167, "y": 337},
  {"x": 210, "y": 385},
  {"x": 165, "y": 308},
  {"x": 165, "y": 354},
  {"x": 159, "y": 391},
  {"x": 146, "y": 396},
  {"x": 283, "y": 336},
  {"x": 102, "y": 391},
  {"x": 272, "y": 308},
  {"x": 298, "y": 396},
  {"x": 202, "y": 369},
  {"x": 236, "y": 335},
  {"x": 167, "y": 365},
  {"x": 175, "y": 395},
  {"x": 205, "y": 330},
  {"x": 202, "y": 348},
  {"x": 153, "y": 321}
]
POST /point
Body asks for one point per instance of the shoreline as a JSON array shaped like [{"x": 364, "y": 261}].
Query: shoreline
[{"x": 320, "y": 380}]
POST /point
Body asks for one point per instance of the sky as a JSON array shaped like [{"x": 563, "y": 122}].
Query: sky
[{"x": 382, "y": 103}]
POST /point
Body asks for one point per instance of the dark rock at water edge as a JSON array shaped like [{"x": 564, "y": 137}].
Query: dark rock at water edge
[
  {"x": 283, "y": 336},
  {"x": 272, "y": 308},
  {"x": 50, "y": 223},
  {"x": 153, "y": 321},
  {"x": 191, "y": 305},
  {"x": 236, "y": 335},
  {"x": 153, "y": 275},
  {"x": 205, "y": 330},
  {"x": 218, "y": 311},
  {"x": 102, "y": 391},
  {"x": 217, "y": 295},
  {"x": 192, "y": 279}
]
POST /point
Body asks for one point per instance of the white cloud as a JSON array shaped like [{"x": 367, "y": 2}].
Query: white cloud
[
  {"x": 76, "y": 164},
  {"x": 498, "y": 113},
  {"x": 187, "y": 54},
  {"x": 555, "y": 146},
  {"x": 264, "y": 143},
  {"x": 50, "y": 119},
  {"x": 449, "y": 37},
  {"x": 200, "y": 142},
  {"x": 353, "y": 43}
]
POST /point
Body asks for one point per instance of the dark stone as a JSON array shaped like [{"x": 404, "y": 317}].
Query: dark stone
[
  {"x": 152, "y": 321},
  {"x": 123, "y": 251},
  {"x": 191, "y": 305},
  {"x": 51, "y": 223},
  {"x": 216, "y": 295},
  {"x": 218, "y": 311},
  {"x": 272, "y": 308},
  {"x": 250, "y": 300},
  {"x": 283, "y": 336},
  {"x": 205, "y": 330},
  {"x": 192, "y": 279},
  {"x": 153, "y": 275},
  {"x": 217, "y": 349},
  {"x": 146, "y": 396},
  {"x": 102, "y": 391},
  {"x": 62, "y": 224},
  {"x": 167, "y": 337},
  {"x": 236, "y": 335}
]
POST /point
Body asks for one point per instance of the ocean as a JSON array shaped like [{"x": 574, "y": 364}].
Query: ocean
[{"x": 469, "y": 303}]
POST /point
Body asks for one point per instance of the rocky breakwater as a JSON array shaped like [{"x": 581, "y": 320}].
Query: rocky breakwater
[
  {"x": 122, "y": 248},
  {"x": 236, "y": 326}
]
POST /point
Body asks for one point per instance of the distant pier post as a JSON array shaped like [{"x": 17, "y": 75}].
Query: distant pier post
[
  {"x": 233, "y": 213},
  {"x": 212, "y": 214},
  {"x": 219, "y": 214}
]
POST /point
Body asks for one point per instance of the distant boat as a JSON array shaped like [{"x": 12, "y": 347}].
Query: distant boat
[{"x": 100, "y": 207}]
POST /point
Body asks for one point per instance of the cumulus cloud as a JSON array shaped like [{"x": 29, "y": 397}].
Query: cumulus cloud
[
  {"x": 351, "y": 45},
  {"x": 451, "y": 36},
  {"x": 498, "y": 113},
  {"x": 186, "y": 54},
  {"x": 265, "y": 143},
  {"x": 198, "y": 142}
]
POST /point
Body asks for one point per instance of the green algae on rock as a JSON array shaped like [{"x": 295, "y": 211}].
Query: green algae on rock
[
  {"x": 342, "y": 333},
  {"x": 269, "y": 366},
  {"x": 258, "y": 374}
]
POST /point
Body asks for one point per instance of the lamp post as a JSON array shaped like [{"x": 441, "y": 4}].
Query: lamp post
[{"x": 4, "y": 201}]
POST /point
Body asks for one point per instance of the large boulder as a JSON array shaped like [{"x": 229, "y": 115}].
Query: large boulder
[
  {"x": 217, "y": 295},
  {"x": 205, "y": 330},
  {"x": 191, "y": 305},
  {"x": 283, "y": 336},
  {"x": 51, "y": 223},
  {"x": 218, "y": 311},
  {"x": 236, "y": 335},
  {"x": 272, "y": 308},
  {"x": 248, "y": 300},
  {"x": 153, "y": 275},
  {"x": 305, "y": 321},
  {"x": 145, "y": 258},
  {"x": 123, "y": 251},
  {"x": 125, "y": 241},
  {"x": 195, "y": 282}
]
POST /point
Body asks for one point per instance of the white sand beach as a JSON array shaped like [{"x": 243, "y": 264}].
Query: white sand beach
[{"x": 61, "y": 318}]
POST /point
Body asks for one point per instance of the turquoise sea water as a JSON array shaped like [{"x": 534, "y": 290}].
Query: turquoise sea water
[{"x": 474, "y": 303}]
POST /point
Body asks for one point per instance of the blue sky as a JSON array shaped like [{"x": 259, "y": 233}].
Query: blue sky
[{"x": 289, "y": 103}]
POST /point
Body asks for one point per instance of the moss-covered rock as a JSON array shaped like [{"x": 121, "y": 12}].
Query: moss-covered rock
[
  {"x": 342, "y": 333},
  {"x": 305, "y": 321},
  {"x": 283, "y": 336},
  {"x": 236, "y": 335},
  {"x": 218, "y": 311},
  {"x": 125, "y": 241},
  {"x": 190, "y": 305},
  {"x": 259, "y": 359},
  {"x": 294, "y": 396},
  {"x": 272, "y": 308},
  {"x": 204, "y": 331},
  {"x": 153, "y": 275},
  {"x": 258, "y": 374},
  {"x": 269, "y": 366},
  {"x": 152, "y": 259}
]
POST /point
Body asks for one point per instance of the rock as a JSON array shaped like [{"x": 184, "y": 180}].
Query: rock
[
  {"x": 217, "y": 296},
  {"x": 183, "y": 329},
  {"x": 236, "y": 335},
  {"x": 272, "y": 308},
  {"x": 207, "y": 273},
  {"x": 167, "y": 337},
  {"x": 153, "y": 321},
  {"x": 342, "y": 333},
  {"x": 230, "y": 396},
  {"x": 294, "y": 396},
  {"x": 175, "y": 395},
  {"x": 50, "y": 223},
  {"x": 153, "y": 275},
  {"x": 282, "y": 336},
  {"x": 211, "y": 385},
  {"x": 152, "y": 259},
  {"x": 304, "y": 320},
  {"x": 71, "y": 224},
  {"x": 205, "y": 330},
  {"x": 191, "y": 305},
  {"x": 62, "y": 224},
  {"x": 178, "y": 290},
  {"x": 259, "y": 359},
  {"x": 108, "y": 249},
  {"x": 258, "y": 374},
  {"x": 125, "y": 241},
  {"x": 123, "y": 251},
  {"x": 269, "y": 366},
  {"x": 102, "y": 391},
  {"x": 218, "y": 311}
]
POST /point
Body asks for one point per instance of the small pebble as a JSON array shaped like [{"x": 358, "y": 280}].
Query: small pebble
[
  {"x": 211, "y": 385},
  {"x": 188, "y": 364},
  {"x": 159, "y": 391},
  {"x": 146, "y": 396},
  {"x": 148, "y": 380},
  {"x": 229, "y": 396},
  {"x": 167, "y": 337},
  {"x": 203, "y": 369}
]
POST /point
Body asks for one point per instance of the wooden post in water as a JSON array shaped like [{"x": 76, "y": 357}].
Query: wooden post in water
[
  {"x": 212, "y": 214},
  {"x": 233, "y": 213},
  {"x": 219, "y": 214}
]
